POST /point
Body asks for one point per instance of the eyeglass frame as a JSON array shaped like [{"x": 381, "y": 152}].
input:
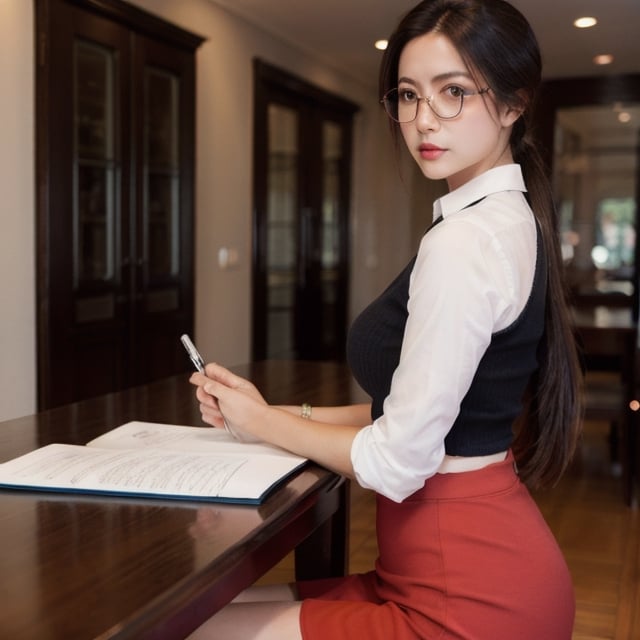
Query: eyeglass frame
[{"x": 428, "y": 100}]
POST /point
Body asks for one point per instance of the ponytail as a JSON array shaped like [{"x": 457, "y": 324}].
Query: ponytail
[{"x": 549, "y": 428}]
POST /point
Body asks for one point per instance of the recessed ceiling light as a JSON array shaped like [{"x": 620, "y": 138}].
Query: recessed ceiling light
[
  {"x": 381, "y": 44},
  {"x": 605, "y": 58},
  {"x": 585, "y": 22},
  {"x": 624, "y": 117}
]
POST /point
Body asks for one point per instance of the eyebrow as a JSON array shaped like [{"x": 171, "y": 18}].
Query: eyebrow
[{"x": 441, "y": 77}]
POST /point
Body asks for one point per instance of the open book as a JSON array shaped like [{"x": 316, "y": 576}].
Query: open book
[{"x": 146, "y": 459}]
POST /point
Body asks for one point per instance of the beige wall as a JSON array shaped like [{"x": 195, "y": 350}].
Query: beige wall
[
  {"x": 17, "y": 267},
  {"x": 381, "y": 218}
]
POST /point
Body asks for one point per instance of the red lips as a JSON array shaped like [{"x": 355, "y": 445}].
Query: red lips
[{"x": 430, "y": 151}]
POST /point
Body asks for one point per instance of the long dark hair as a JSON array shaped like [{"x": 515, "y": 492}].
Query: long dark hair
[{"x": 496, "y": 41}]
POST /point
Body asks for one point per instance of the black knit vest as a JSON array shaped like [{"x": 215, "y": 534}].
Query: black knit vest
[{"x": 488, "y": 410}]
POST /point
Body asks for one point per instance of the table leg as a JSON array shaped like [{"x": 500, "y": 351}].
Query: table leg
[{"x": 325, "y": 553}]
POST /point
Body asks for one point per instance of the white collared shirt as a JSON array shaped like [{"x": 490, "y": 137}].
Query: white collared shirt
[{"x": 472, "y": 277}]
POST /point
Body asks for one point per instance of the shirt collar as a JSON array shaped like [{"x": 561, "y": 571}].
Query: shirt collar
[{"x": 506, "y": 177}]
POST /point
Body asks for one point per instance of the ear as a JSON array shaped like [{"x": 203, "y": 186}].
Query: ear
[
  {"x": 509, "y": 116},
  {"x": 510, "y": 113}
]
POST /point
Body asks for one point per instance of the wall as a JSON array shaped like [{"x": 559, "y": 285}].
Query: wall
[
  {"x": 17, "y": 257},
  {"x": 381, "y": 216}
]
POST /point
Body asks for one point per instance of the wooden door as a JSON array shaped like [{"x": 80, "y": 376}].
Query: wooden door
[
  {"x": 161, "y": 286},
  {"x": 115, "y": 182},
  {"x": 301, "y": 226}
]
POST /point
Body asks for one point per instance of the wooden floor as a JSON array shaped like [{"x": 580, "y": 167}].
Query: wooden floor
[{"x": 598, "y": 533}]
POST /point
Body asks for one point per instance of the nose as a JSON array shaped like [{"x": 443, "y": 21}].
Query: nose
[{"x": 426, "y": 119}]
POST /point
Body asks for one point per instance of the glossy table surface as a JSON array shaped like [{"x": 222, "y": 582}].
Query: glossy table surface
[{"x": 78, "y": 567}]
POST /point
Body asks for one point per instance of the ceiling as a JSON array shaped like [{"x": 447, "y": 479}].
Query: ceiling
[
  {"x": 599, "y": 126},
  {"x": 342, "y": 32}
]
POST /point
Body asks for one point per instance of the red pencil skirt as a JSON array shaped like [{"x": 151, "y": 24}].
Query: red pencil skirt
[{"x": 468, "y": 557}]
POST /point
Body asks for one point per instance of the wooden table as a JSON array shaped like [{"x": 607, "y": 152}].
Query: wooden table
[{"x": 88, "y": 567}]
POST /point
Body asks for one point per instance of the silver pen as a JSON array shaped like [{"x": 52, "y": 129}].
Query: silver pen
[
  {"x": 198, "y": 363},
  {"x": 194, "y": 354}
]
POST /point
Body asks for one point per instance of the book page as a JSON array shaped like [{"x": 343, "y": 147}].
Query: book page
[
  {"x": 152, "y": 472},
  {"x": 136, "y": 435}
]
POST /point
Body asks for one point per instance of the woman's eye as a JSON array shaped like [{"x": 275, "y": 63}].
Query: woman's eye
[
  {"x": 454, "y": 91},
  {"x": 406, "y": 95}
]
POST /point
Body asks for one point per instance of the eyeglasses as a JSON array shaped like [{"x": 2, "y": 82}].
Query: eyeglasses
[{"x": 402, "y": 105}]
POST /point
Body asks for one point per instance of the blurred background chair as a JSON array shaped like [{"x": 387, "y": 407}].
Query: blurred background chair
[{"x": 607, "y": 339}]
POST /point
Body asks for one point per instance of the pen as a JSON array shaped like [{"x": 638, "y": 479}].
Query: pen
[
  {"x": 194, "y": 354},
  {"x": 198, "y": 363}
]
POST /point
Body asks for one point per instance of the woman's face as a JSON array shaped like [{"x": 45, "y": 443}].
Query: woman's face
[{"x": 463, "y": 147}]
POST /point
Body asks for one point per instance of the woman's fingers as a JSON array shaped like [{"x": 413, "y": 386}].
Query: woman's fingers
[
  {"x": 209, "y": 406},
  {"x": 217, "y": 372},
  {"x": 205, "y": 398},
  {"x": 212, "y": 415},
  {"x": 237, "y": 395}
]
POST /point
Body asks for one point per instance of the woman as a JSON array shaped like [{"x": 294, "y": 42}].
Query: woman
[{"x": 469, "y": 345}]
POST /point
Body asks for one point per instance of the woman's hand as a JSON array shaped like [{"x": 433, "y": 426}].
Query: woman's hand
[{"x": 229, "y": 401}]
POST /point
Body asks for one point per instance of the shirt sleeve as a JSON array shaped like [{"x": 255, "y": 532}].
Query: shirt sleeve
[{"x": 461, "y": 285}]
